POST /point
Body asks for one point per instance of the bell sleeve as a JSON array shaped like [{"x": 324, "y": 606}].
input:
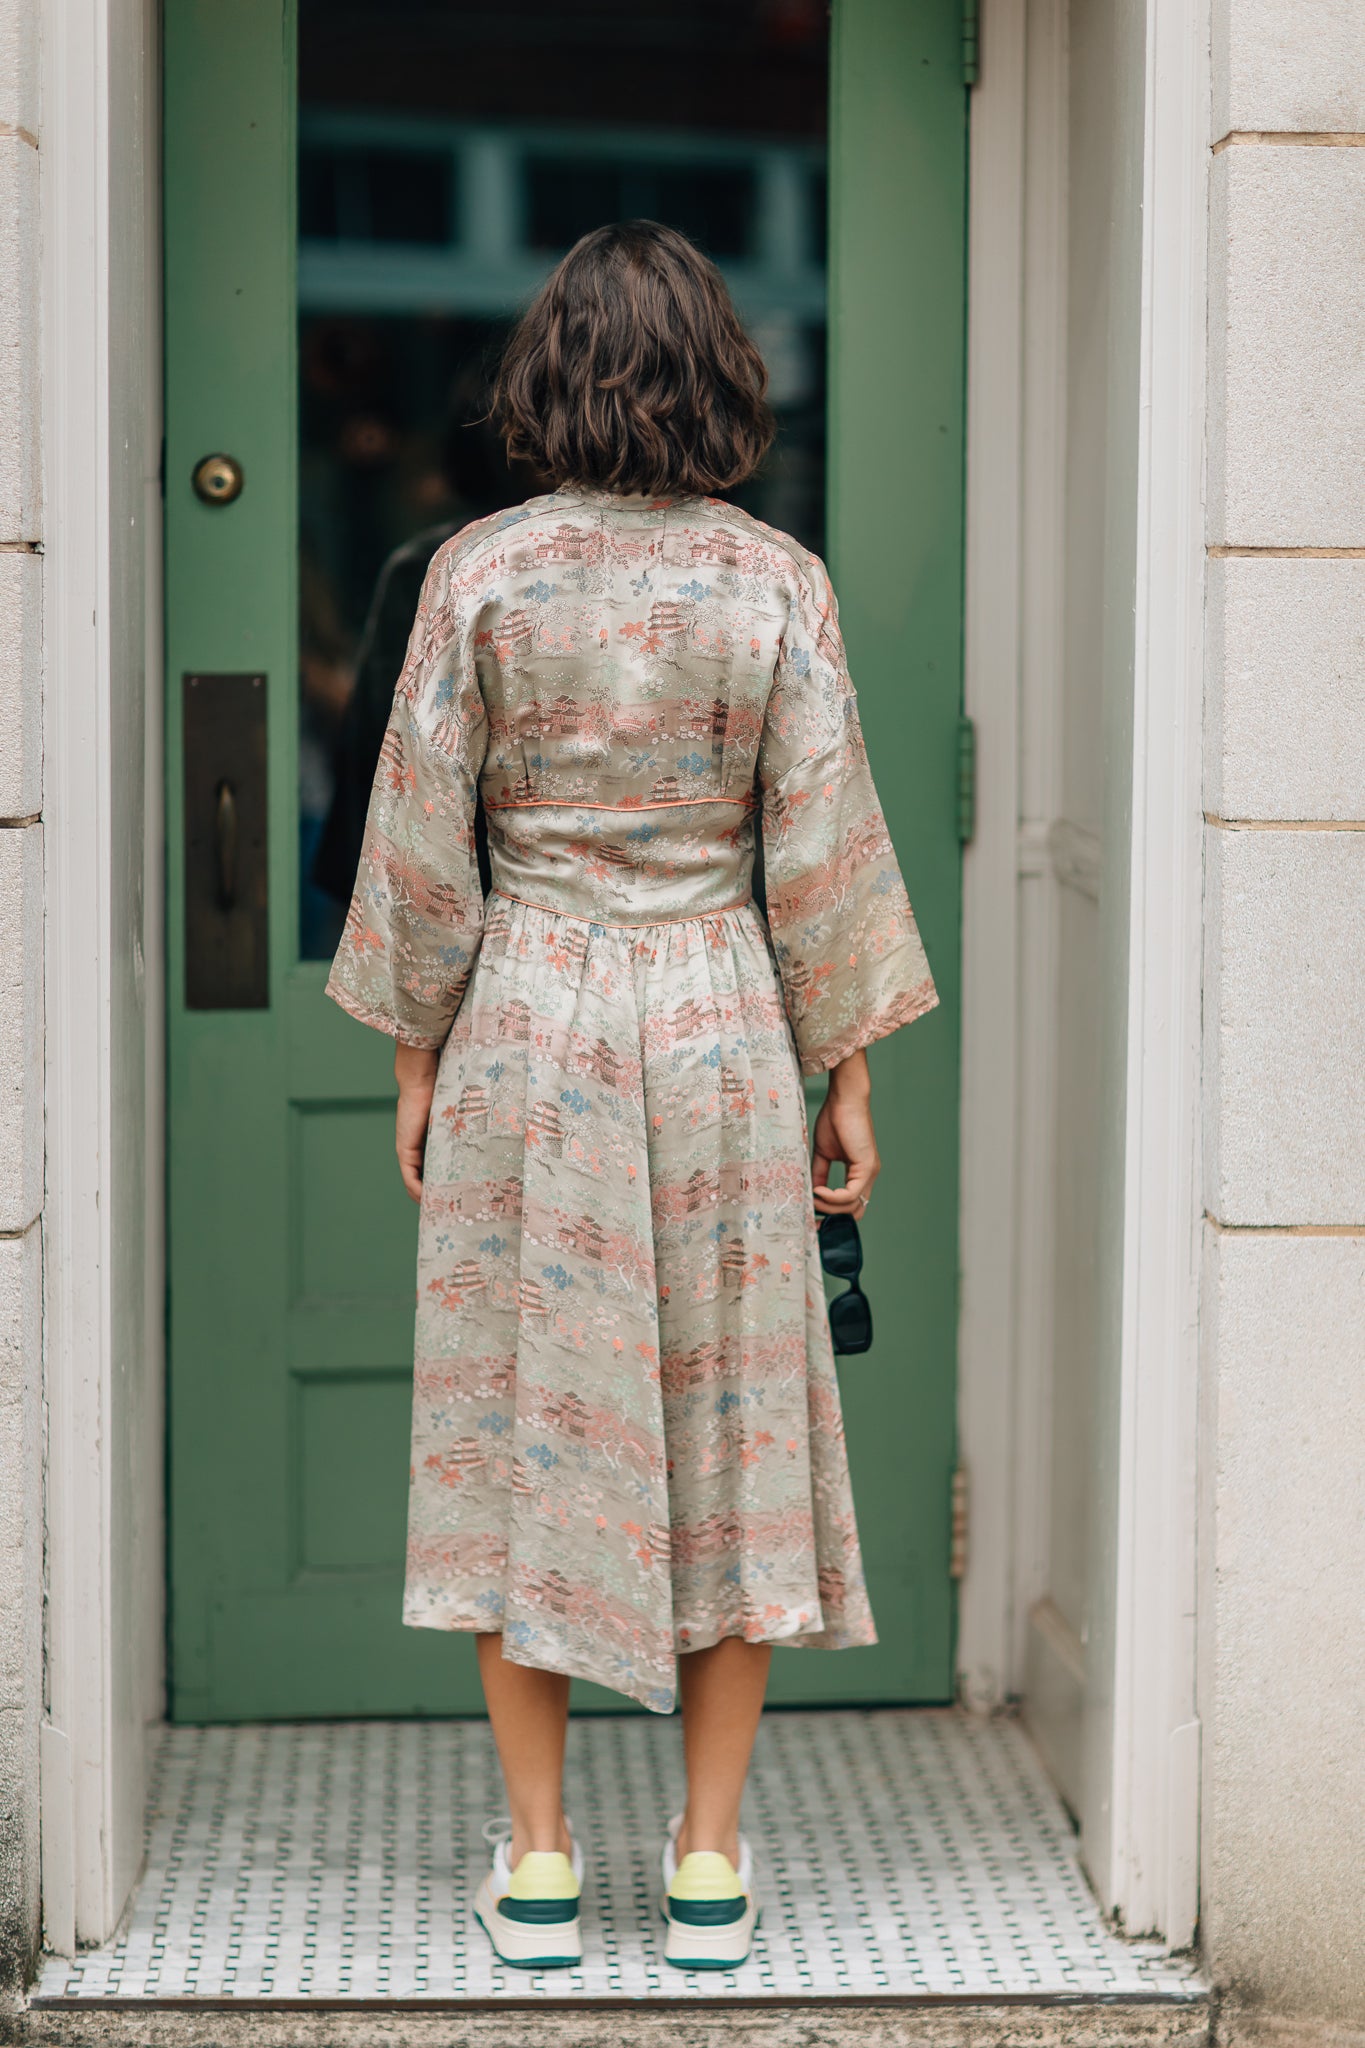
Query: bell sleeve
[
  {"x": 416, "y": 916},
  {"x": 847, "y": 947}
]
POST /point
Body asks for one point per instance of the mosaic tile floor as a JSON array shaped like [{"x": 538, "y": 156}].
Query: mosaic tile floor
[{"x": 899, "y": 1852}]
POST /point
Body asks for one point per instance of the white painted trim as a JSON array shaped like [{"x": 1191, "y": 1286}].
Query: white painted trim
[
  {"x": 1046, "y": 1617},
  {"x": 78, "y": 1309},
  {"x": 986, "y": 1421},
  {"x": 1153, "y": 1879},
  {"x": 1046, "y": 155},
  {"x": 100, "y": 376},
  {"x": 1062, "y": 852},
  {"x": 57, "y": 1808},
  {"x": 1014, "y": 569}
]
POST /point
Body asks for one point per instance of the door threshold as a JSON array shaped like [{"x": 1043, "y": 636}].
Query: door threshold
[
  {"x": 1007, "y": 2020},
  {"x": 312, "y": 1883}
]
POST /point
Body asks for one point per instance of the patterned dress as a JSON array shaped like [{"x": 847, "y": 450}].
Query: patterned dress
[{"x": 626, "y": 1431}]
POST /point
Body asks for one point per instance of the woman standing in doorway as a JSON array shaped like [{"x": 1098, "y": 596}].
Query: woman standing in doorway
[{"x": 628, "y": 1461}]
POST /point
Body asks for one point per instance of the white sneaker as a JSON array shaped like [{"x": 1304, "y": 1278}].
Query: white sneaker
[
  {"x": 709, "y": 1906},
  {"x": 530, "y": 1914}
]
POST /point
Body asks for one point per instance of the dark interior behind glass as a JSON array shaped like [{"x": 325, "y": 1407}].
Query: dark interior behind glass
[{"x": 449, "y": 153}]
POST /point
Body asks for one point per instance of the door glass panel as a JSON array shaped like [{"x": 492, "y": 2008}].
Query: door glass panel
[{"x": 449, "y": 153}]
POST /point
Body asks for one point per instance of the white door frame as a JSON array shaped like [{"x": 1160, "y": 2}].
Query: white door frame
[
  {"x": 93, "y": 377},
  {"x": 102, "y": 1219},
  {"x": 1153, "y": 1880},
  {"x": 1015, "y": 423}
]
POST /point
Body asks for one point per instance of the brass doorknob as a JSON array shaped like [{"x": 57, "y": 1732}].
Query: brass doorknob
[{"x": 218, "y": 479}]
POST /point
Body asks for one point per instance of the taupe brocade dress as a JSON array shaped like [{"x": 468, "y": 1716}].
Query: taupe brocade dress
[{"x": 626, "y": 1429}]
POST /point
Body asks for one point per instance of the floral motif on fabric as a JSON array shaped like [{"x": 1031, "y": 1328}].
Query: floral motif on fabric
[{"x": 626, "y": 1430}]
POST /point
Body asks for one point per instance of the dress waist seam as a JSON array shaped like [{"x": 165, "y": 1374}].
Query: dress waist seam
[
  {"x": 571, "y": 803},
  {"x": 615, "y": 925}
]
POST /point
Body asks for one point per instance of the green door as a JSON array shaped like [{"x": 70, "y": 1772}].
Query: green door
[{"x": 291, "y": 1242}]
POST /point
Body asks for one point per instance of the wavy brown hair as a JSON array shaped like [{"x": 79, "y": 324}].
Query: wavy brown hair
[{"x": 630, "y": 370}]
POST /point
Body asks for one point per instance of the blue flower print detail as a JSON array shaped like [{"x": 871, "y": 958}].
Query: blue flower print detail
[
  {"x": 694, "y": 764},
  {"x": 577, "y": 1102},
  {"x": 497, "y": 1424},
  {"x": 557, "y": 1277},
  {"x": 542, "y": 1455},
  {"x": 726, "y": 1402},
  {"x": 798, "y": 661},
  {"x": 712, "y": 1058},
  {"x": 539, "y": 591},
  {"x": 694, "y": 590},
  {"x": 495, "y": 1246}
]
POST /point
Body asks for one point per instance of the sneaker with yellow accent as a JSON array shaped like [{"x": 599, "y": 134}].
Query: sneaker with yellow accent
[
  {"x": 709, "y": 1906},
  {"x": 530, "y": 1914}
]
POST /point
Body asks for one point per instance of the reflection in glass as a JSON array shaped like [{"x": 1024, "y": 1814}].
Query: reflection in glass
[{"x": 448, "y": 154}]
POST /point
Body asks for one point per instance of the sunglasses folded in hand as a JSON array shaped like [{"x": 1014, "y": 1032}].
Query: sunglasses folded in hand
[{"x": 850, "y": 1313}]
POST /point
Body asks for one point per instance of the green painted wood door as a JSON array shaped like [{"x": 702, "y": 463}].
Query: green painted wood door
[{"x": 291, "y": 1243}]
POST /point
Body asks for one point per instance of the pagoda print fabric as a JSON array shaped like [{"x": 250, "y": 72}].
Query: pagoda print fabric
[{"x": 626, "y": 1432}]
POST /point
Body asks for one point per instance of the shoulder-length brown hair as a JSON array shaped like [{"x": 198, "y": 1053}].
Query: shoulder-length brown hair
[{"x": 630, "y": 371}]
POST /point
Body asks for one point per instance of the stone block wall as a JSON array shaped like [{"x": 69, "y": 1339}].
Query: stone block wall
[
  {"x": 1283, "y": 1526},
  {"x": 21, "y": 984}
]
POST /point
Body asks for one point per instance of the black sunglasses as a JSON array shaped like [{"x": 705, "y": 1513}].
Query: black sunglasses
[{"x": 850, "y": 1313}]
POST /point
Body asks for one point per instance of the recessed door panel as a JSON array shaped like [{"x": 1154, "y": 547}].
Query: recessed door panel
[
  {"x": 351, "y": 1447},
  {"x": 352, "y": 1242}
]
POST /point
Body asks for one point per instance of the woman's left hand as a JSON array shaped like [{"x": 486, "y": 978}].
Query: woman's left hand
[
  {"x": 843, "y": 1131},
  {"x": 414, "y": 1069}
]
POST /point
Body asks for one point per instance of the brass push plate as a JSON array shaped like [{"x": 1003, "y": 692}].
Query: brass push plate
[{"x": 227, "y": 890}]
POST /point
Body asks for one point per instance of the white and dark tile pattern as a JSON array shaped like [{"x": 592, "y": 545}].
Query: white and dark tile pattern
[{"x": 899, "y": 1853}]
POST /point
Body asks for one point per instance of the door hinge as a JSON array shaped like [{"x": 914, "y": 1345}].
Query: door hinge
[
  {"x": 966, "y": 779},
  {"x": 971, "y": 41},
  {"x": 957, "y": 1547}
]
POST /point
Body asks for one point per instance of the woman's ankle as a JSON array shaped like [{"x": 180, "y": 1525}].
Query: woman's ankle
[
  {"x": 722, "y": 1840},
  {"x": 545, "y": 1838}
]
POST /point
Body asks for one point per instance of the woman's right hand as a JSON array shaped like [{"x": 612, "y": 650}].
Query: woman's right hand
[{"x": 414, "y": 1070}]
